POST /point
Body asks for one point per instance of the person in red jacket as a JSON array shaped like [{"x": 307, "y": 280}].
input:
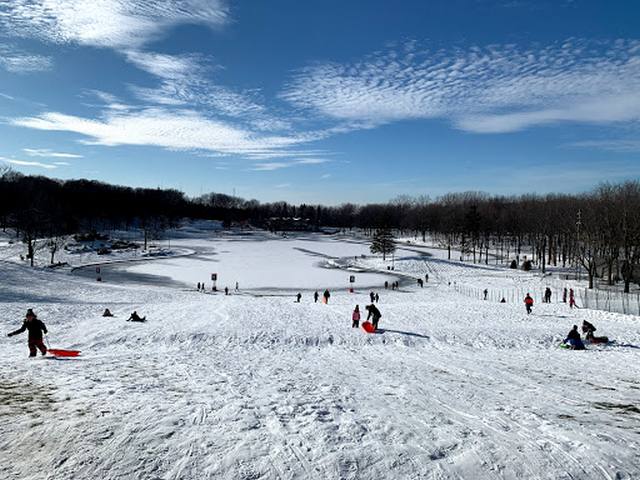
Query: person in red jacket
[
  {"x": 35, "y": 328},
  {"x": 528, "y": 302}
]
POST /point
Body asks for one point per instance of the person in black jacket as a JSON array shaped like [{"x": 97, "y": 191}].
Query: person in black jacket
[
  {"x": 136, "y": 318},
  {"x": 573, "y": 339},
  {"x": 35, "y": 328},
  {"x": 374, "y": 314}
]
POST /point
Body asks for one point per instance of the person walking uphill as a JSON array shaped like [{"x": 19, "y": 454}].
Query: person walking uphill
[
  {"x": 528, "y": 302},
  {"x": 35, "y": 328},
  {"x": 356, "y": 317},
  {"x": 374, "y": 314},
  {"x": 326, "y": 295}
]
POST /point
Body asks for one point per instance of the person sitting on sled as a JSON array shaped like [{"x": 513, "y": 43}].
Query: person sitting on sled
[
  {"x": 573, "y": 339},
  {"x": 35, "y": 328},
  {"x": 588, "y": 329},
  {"x": 375, "y": 313},
  {"x": 136, "y": 318},
  {"x": 107, "y": 313}
]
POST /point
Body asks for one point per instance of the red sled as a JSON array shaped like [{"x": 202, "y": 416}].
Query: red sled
[
  {"x": 63, "y": 353},
  {"x": 368, "y": 327}
]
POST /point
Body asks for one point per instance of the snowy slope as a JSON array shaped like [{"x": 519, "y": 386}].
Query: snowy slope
[{"x": 252, "y": 387}]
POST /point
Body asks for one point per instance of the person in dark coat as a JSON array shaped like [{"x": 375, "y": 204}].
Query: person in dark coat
[
  {"x": 528, "y": 302},
  {"x": 35, "y": 328},
  {"x": 107, "y": 313},
  {"x": 377, "y": 298},
  {"x": 298, "y": 297},
  {"x": 573, "y": 339},
  {"x": 316, "y": 295},
  {"x": 374, "y": 315},
  {"x": 372, "y": 296},
  {"x": 136, "y": 318},
  {"x": 326, "y": 295}
]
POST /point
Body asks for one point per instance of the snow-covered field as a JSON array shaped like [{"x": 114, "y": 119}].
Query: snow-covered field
[{"x": 259, "y": 387}]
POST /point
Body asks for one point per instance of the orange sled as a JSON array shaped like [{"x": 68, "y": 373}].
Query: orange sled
[
  {"x": 56, "y": 352},
  {"x": 368, "y": 327}
]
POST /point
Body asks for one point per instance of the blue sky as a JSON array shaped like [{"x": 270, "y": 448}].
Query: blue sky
[{"x": 323, "y": 101}]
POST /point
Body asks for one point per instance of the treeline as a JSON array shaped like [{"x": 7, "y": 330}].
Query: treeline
[{"x": 598, "y": 231}]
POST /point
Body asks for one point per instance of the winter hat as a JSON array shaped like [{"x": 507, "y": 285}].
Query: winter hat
[{"x": 30, "y": 313}]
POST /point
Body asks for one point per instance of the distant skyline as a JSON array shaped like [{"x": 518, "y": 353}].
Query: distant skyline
[{"x": 323, "y": 101}]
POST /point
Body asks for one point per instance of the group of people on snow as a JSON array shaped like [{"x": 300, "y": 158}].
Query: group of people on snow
[{"x": 373, "y": 314}]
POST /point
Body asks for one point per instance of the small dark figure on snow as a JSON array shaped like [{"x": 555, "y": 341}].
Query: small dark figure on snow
[
  {"x": 326, "y": 295},
  {"x": 420, "y": 283},
  {"x": 486, "y": 292},
  {"x": 374, "y": 315},
  {"x": 386, "y": 285},
  {"x": 316, "y": 295},
  {"x": 35, "y": 328},
  {"x": 564, "y": 295},
  {"x": 107, "y": 313},
  {"x": 136, "y": 318},
  {"x": 298, "y": 297},
  {"x": 237, "y": 287},
  {"x": 547, "y": 295},
  {"x": 573, "y": 339},
  {"x": 503, "y": 300},
  {"x": 198, "y": 286},
  {"x": 372, "y": 296},
  {"x": 377, "y": 298},
  {"x": 426, "y": 277},
  {"x": 226, "y": 290},
  {"x": 572, "y": 298},
  {"x": 528, "y": 302},
  {"x": 355, "y": 317}
]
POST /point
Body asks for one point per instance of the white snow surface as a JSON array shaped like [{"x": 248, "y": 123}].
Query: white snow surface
[{"x": 259, "y": 387}]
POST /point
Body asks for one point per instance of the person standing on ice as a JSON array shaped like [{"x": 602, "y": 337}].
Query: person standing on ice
[
  {"x": 237, "y": 287},
  {"x": 226, "y": 290},
  {"x": 355, "y": 317},
  {"x": 377, "y": 298},
  {"x": 36, "y": 329},
  {"x": 198, "y": 286},
  {"x": 298, "y": 297},
  {"x": 316, "y": 296},
  {"x": 528, "y": 302},
  {"x": 372, "y": 296},
  {"x": 374, "y": 315},
  {"x": 326, "y": 295},
  {"x": 486, "y": 292}
]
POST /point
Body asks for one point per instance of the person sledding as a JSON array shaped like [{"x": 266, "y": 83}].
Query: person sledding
[
  {"x": 35, "y": 328},
  {"x": 136, "y": 318},
  {"x": 107, "y": 313},
  {"x": 528, "y": 303},
  {"x": 374, "y": 315},
  {"x": 588, "y": 329},
  {"x": 355, "y": 317},
  {"x": 573, "y": 340}
]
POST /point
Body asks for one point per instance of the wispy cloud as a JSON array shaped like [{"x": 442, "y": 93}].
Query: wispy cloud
[
  {"x": 171, "y": 129},
  {"x": 270, "y": 166},
  {"x": 15, "y": 60},
  {"x": 613, "y": 145},
  {"x": 26, "y": 163},
  {"x": 106, "y": 23},
  {"x": 485, "y": 90},
  {"x": 45, "y": 152}
]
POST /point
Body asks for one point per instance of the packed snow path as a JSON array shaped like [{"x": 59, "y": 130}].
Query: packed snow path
[{"x": 244, "y": 387}]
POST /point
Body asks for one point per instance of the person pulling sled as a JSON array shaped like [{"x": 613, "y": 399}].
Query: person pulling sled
[{"x": 35, "y": 328}]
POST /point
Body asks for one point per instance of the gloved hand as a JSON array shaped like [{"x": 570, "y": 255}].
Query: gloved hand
[{"x": 9, "y": 334}]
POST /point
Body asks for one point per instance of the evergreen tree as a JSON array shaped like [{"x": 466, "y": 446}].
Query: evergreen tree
[{"x": 383, "y": 242}]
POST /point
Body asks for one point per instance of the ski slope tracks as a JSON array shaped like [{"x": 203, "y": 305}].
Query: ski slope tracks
[{"x": 256, "y": 386}]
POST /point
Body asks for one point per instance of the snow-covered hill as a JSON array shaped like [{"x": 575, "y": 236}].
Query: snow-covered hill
[{"x": 247, "y": 386}]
